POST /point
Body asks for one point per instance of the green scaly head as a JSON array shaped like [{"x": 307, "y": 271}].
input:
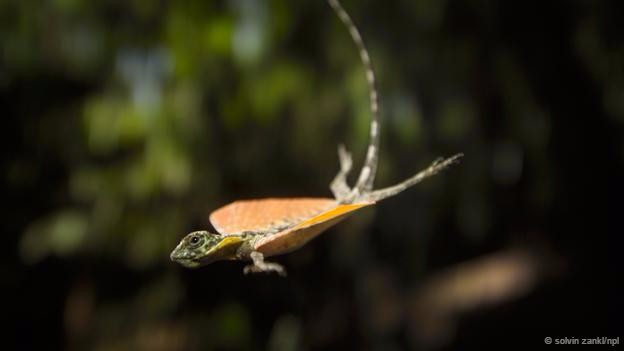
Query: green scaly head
[{"x": 201, "y": 248}]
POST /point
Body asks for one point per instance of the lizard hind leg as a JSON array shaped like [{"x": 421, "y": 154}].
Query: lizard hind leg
[
  {"x": 437, "y": 166},
  {"x": 364, "y": 184},
  {"x": 339, "y": 186},
  {"x": 260, "y": 266}
]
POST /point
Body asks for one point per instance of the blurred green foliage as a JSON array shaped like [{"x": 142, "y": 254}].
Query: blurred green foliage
[
  {"x": 139, "y": 117},
  {"x": 172, "y": 79}
]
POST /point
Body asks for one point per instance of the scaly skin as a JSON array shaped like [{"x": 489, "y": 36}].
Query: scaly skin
[{"x": 200, "y": 248}]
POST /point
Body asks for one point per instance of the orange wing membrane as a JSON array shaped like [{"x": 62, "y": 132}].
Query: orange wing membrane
[
  {"x": 293, "y": 238},
  {"x": 267, "y": 214},
  {"x": 254, "y": 229}
]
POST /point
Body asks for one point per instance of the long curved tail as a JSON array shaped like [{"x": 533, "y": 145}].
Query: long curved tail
[
  {"x": 369, "y": 170},
  {"x": 363, "y": 189}
]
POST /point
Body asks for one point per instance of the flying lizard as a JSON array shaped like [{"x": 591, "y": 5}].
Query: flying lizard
[{"x": 251, "y": 230}]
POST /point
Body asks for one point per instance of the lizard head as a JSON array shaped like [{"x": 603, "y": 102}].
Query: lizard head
[{"x": 201, "y": 247}]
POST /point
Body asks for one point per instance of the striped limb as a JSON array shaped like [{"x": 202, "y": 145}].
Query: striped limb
[
  {"x": 363, "y": 189},
  {"x": 437, "y": 166}
]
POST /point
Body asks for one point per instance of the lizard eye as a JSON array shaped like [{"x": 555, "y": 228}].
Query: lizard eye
[{"x": 195, "y": 240}]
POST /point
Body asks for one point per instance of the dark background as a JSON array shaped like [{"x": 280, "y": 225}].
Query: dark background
[{"x": 126, "y": 122}]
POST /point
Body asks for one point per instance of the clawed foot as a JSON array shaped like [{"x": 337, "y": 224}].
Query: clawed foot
[
  {"x": 339, "y": 186},
  {"x": 441, "y": 163},
  {"x": 438, "y": 165},
  {"x": 346, "y": 161},
  {"x": 260, "y": 266}
]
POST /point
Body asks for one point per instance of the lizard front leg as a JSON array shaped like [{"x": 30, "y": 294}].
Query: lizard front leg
[{"x": 260, "y": 266}]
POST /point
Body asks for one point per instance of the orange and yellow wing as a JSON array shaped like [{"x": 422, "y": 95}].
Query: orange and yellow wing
[
  {"x": 267, "y": 214},
  {"x": 297, "y": 236}
]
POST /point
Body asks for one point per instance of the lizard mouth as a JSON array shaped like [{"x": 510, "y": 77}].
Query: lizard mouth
[
  {"x": 185, "y": 261},
  {"x": 183, "y": 257}
]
